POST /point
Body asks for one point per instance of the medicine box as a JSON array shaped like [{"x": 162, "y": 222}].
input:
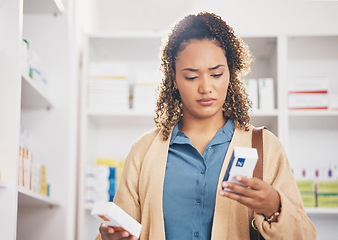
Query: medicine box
[
  {"x": 242, "y": 163},
  {"x": 327, "y": 187},
  {"x": 112, "y": 215},
  {"x": 309, "y": 199},
  {"x": 266, "y": 94},
  {"x": 327, "y": 200},
  {"x": 306, "y": 186},
  {"x": 252, "y": 89}
]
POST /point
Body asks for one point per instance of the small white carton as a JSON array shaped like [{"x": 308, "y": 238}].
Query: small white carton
[
  {"x": 242, "y": 163},
  {"x": 112, "y": 215},
  {"x": 252, "y": 89}
]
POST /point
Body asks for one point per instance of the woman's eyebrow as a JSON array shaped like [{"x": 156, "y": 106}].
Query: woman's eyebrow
[
  {"x": 189, "y": 69},
  {"x": 218, "y": 66},
  {"x": 195, "y": 70}
]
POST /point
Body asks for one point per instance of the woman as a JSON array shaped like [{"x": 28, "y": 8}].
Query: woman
[{"x": 172, "y": 180}]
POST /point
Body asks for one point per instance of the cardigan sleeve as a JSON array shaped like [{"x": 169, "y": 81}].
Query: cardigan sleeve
[
  {"x": 127, "y": 196},
  {"x": 293, "y": 222}
]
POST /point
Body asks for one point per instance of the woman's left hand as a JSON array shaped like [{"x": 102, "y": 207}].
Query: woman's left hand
[{"x": 259, "y": 196}]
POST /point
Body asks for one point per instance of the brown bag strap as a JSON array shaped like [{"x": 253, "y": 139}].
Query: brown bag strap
[{"x": 257, "y": 142}]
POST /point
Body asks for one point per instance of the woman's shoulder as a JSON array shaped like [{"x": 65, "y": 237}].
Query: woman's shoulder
[
  {"x": 147, "y": 138},
  {"x": 267, "y": 134}
]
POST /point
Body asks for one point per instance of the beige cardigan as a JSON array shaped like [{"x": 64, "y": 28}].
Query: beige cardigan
[{"x": 141, "y": 187}]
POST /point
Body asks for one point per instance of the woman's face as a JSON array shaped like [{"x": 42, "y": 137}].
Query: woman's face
[{"x": 202, "y": 78}]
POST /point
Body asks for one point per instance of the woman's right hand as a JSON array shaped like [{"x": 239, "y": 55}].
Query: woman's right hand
[{"x": 108, "y": 233}]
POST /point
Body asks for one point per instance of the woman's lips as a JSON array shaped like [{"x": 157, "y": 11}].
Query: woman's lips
[{"x": 206, "y": 101}]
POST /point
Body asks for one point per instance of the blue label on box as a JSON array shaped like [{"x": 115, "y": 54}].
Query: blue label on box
[{"x": 240, "y": 162}]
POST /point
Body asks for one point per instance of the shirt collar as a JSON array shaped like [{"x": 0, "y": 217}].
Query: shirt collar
[{"x": 223, "y": 135}]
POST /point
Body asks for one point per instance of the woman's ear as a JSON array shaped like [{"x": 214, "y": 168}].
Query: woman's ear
[{"x": 175, "y": 84}]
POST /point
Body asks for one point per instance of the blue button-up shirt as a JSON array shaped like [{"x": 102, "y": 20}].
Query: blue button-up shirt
[{"x": 190, "y": 184}]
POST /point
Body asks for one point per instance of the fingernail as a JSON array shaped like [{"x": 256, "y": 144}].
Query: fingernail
[
  {"x": 225, "y": 184},
  {"x": 221, "y": 193},
  {"x": 238, "y": 178},
  {"x": 125, "y": 234}
]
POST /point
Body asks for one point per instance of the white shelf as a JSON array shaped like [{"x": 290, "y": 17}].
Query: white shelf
[
  {"x": 262, "y": 113},
  {"x": 43, "y": 6},
  {"x": 123, "y": 113},
  {"x": 88, "y": 206},
  {"x": 309, "y": 113},
  {"x": 29, "y": 198},
  {"x": 316, "y": 210},
  {"x": 32, "y": 96},
  {"x": 3, "y": 184},
  {"x": 124, "y": 118},
  {"x": 129, "y": 34}
]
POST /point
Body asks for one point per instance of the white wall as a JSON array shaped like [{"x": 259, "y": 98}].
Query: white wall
[{"x": 247, "y": 17}]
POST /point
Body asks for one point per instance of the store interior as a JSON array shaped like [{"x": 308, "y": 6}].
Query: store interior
[{"x": 64, "y": 122}]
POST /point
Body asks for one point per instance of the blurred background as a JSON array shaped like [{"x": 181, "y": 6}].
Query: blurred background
[{"x": 77, "y": 88}]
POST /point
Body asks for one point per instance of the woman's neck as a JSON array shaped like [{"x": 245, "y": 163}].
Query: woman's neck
[{"x": 201, "y": 126}]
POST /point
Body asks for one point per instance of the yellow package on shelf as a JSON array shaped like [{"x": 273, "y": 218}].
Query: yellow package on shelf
[
  {"x": 309, "y": 199},
  {"x": 327, "y": 200},
  {"x": 112, "y": 162},
  {"x": 44, "y": 188},
  {"x": 121, "y": 165},
  {"x": 306, "y": 186},
  {"x": 327, "y": 187},
  {"x": 44, "y": 185}
]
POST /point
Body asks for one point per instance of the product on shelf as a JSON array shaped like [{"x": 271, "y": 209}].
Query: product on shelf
[
  {"x": 306, "y": 186},
  {"x": 108, "y": 88},
  {"x": 25, "y": 161},
  {"x": 97, "y": 183},
  {"x": 333, "y": 101},
  {"x": 31, "y": 65},
  {"x": 144, "y": 91},
  {"x": 318, "y": 187},
  {"x": 24, "y": 58},
  {"x": 266, "y": 94},
  {"x": 252, "y": 90},
  {"x": 308, "y": 93},
  {"x": 327, "y": 191},
  {"x": 102, "y": 179}
]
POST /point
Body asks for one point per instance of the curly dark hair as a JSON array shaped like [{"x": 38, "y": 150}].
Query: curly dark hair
[{"x": 199, "y": 27}]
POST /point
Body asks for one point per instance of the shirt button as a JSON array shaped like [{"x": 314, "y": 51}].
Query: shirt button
[
  {"x": 202, "y": 172},
  {"x": 198, "y": 200},
  {"x": 196, "y": 234}
]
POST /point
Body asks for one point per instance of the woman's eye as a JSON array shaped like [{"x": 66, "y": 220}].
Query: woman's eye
[
  {"x": 217, "y": 75},
  {"x": 190, "y": 78}
]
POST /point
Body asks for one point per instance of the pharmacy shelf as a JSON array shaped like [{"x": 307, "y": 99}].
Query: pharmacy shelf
[
  {"x": 128, "y": 34},
  {"x": 29, "y": 198},
  {"x": 43, "y": 6},
  {"x": 319, "y": 211},
  {"x": 88, "y": 206},
  {"x": 33, "y": 96},
  {"x": 309, "y": 113},
  {"x": 125, "y": 118},
  {"x": 3, "y": 184},
  {"x": 262, "y": 113}
]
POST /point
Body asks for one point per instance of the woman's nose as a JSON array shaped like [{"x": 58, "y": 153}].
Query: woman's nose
[{"x": 205, "y": 85}]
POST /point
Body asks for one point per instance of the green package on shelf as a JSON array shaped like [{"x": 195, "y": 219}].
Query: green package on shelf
[
  {"x": 309, "y": 199},
  {"x": 305, "y": 186},
  {"x": 327, "y": 200},
  {"x": 330, "y": 187}
]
